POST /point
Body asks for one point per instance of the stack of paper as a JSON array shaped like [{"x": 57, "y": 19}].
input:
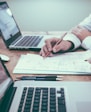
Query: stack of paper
[{"x": 67, "y": 63}]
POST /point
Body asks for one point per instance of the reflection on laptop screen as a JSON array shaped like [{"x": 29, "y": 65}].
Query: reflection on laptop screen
[
  {"x": 4, "y": 80},
  {"x": 7, "y": 23}
]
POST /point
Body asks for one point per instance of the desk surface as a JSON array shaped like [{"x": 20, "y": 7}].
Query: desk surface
[{"x": 15, "y": 54}]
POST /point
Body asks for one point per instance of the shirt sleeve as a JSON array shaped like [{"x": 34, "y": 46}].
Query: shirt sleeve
[
  {"x": 72, "y": 38},
  {"x": 86, "y": 23},
  {"x": 86, "y": 43}
]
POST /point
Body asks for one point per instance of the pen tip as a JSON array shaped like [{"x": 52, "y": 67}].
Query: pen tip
[
  {"x": 59, "y": 79},
  {"x": 60, "y": 76}
]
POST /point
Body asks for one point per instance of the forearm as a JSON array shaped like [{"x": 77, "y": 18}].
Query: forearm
[
  {"x": 81, "y": 33},
  {"x": 86, "y": 23}
]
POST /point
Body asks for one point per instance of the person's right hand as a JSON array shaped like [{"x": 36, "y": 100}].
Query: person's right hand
[
  {"x": 52, "y": 45},
  {"x": 48, "y": 47}
]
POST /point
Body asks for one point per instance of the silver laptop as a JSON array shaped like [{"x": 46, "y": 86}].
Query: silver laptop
[
  {"x": 12, "y": 35},
  {"x": 43, "y": 96}
]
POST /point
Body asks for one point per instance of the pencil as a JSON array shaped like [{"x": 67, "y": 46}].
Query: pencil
[
  {"x": 57, "y": 43},
  {"x": 61, "y": 39}
]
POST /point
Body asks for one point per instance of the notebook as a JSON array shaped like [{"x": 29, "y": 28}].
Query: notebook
[
  {"x": 42, "y": 96},
  {"x": 12, "y": 35}
]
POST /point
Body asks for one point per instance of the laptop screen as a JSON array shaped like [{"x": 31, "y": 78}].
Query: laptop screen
[
  {"x": 8, "y": 26},
  {"x": 4, "y": 80}
]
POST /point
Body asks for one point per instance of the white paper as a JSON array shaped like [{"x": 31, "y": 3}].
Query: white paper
[{"x": 73, "y": 62}]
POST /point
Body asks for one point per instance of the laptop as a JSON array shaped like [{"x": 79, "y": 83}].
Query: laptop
[
  {"x": 42, "y": 96},
  {"x": 12, "y": 35}
]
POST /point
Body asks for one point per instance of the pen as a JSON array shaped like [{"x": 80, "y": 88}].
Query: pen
[
  {"x": 61, "y": 39},
  {"x": 41, "y": 78}
]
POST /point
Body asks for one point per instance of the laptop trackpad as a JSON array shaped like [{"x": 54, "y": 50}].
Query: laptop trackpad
[{"x": 84, "y": 106}]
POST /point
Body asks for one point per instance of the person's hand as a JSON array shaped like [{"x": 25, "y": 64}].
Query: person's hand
[
  {"x": 52, "y": 46},
  {"x": 63, "y": 46},
  {"x": 81, "y": 32},
  {"x": 46, "y": 50}
]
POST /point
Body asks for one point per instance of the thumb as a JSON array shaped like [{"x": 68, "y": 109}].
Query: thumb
[{"x": 57, "y": 48}]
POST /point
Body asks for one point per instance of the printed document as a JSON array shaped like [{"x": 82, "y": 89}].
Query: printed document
[{"x": 66, "y": 63}]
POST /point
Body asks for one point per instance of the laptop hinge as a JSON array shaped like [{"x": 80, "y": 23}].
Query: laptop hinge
[{"x": 7, "y": 100}]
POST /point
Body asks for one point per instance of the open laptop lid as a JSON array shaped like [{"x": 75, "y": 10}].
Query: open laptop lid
[
  {"x": 8, "y": 26},
  {"x": 5, "y": 81}
]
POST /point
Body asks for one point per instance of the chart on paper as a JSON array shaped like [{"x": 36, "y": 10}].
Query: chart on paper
[{"x": 73, "y": 62}]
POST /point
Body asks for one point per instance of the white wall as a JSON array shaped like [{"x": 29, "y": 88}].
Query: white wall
[{"x": 49, "y": 15}]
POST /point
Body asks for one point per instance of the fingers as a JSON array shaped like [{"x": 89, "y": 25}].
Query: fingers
[
  {"x": 54, "y": 45},
  {"x": 50, "y": 43},
  {"x": 48, "y": 47},
  {"x": 63, "y": 46},
  {"x": 45, "y": 52}
]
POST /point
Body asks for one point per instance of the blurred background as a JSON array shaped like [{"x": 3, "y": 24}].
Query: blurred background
[{"x": 49, "y": 15}]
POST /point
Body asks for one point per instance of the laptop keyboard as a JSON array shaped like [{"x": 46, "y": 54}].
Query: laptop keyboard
[
  {"x": 29, "y": 41},
  {"x": 42, "y": 100}
]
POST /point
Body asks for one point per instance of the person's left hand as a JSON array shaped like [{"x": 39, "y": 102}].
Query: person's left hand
[{"x": 81, "y": 32}]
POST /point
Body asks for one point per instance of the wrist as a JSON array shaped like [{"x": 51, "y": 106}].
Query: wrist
[
  {"x": 74, "y": 39},
  {"x": 71, "y": 45}
]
